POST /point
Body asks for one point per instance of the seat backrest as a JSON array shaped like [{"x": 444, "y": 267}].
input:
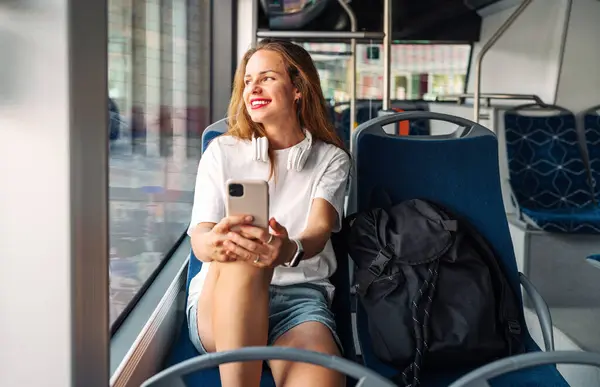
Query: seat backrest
[
  {"x": 193, "y": 269},
  {"x": 212, "y": 131},
  {"x": 546, "y": 167},
  {"x": 591, "y": 120},
  {"x": 459, "y": 170}
]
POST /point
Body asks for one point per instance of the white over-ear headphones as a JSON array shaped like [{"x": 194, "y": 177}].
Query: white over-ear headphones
[
  {"x": 260, "y": 149},
  {"x": 297, "y": 157}
]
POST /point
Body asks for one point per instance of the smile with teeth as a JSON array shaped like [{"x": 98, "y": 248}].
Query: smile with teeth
[{"x": 258, "y": 103}]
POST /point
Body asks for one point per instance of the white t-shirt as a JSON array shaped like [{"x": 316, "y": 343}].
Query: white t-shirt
[{"x": 290, "y": 199}]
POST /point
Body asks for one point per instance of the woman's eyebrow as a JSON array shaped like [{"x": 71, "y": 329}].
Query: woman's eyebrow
[{"x": 262, "y": 72}]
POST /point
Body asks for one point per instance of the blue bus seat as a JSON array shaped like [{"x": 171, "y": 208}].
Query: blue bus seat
[
  {"x": 213, "y": 131},
  {"x": 459, "y": 171},
  {"x": 548, "y": 174},
  {"x": 591, "y": 119},
  {"x": 183, "y": 348}
]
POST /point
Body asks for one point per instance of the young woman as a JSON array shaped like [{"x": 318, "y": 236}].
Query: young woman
[{"x": 270, "y": 286}]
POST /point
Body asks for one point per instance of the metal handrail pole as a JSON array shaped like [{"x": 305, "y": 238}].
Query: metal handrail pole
[{"x": 486, "y": 47}]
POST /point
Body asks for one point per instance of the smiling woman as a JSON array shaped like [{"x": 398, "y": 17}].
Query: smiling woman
[
  {"x": 270, "y": 95},
  {"x": 282, "y": 76},
  {"x": 274, "y": 282},
  {"x": 277, "y": 83}
]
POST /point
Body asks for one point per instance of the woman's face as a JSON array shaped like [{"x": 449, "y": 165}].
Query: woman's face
[{"x": 269, "y": 94}]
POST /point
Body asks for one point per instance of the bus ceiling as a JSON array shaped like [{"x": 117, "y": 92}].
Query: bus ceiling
[{"x": 423, "y": 20}]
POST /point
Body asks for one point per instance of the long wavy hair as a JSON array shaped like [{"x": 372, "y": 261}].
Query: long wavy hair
[{"x": 312, "y": 109}]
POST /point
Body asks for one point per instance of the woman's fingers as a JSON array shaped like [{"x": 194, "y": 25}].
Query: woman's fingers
[
  {"x": 221, "y": 255},
  {"x": 251, "y": 246},
  {"x": 239, "y": 252},
  {"x": 278, "y": 228},
  {"x": 231, "y": 221},
  {"x": 253, "y": 232}
]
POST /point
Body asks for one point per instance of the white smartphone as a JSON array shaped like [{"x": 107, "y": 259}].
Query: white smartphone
[{"x": 249, "y": 197}]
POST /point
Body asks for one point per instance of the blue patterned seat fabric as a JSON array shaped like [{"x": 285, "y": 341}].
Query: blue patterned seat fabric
[
  {"x": 548, "y": 174},
  {"x": 591, "y": 121}
]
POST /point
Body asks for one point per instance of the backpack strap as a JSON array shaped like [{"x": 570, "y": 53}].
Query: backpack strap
[
  {"x": 509, "y": 308},
  {"x": 421, "y": 326},
  {"x": 375, "y": 269}
]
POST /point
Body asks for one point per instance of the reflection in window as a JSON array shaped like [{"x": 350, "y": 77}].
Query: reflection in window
[{"x": 158, "y": 106}]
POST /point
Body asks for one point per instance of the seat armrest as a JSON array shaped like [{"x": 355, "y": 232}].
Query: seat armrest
[{"x": 542, "y": 311}]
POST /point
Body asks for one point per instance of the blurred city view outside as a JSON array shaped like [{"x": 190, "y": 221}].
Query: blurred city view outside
[{"x": 159, "y": 86}]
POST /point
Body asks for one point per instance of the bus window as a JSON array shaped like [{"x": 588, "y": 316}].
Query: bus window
[{"x": 159, "y": 92}]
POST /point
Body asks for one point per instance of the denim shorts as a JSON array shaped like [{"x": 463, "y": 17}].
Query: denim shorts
[{"x": 289, "y": 306}]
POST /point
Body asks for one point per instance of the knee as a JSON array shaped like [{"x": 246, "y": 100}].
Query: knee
[
  {"x": 323, "y": 345},
  {"x": 317, "y": 346},
  {"x": 244, "y": 273},
  {"x": 310, "y": 336}
]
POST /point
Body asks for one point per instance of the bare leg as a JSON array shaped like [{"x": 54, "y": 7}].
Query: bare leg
[
  {"x": 310, "y": 336},
  {"x": 233, "y": 312}
]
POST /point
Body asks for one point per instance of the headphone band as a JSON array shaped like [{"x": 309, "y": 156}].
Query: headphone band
[{"x": 298, "y": 154}]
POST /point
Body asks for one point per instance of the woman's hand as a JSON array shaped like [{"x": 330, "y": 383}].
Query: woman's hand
[
  {"x": 207, "y": 243},
  {"x": 259, "y": 247}
]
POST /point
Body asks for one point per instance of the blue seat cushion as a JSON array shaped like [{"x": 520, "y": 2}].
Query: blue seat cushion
[
  {"x": 566, "y": 220},
  {"x": 541, "y": 376}
]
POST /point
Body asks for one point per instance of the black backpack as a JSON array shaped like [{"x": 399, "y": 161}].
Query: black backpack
[{"x": 434, "y": 294}]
